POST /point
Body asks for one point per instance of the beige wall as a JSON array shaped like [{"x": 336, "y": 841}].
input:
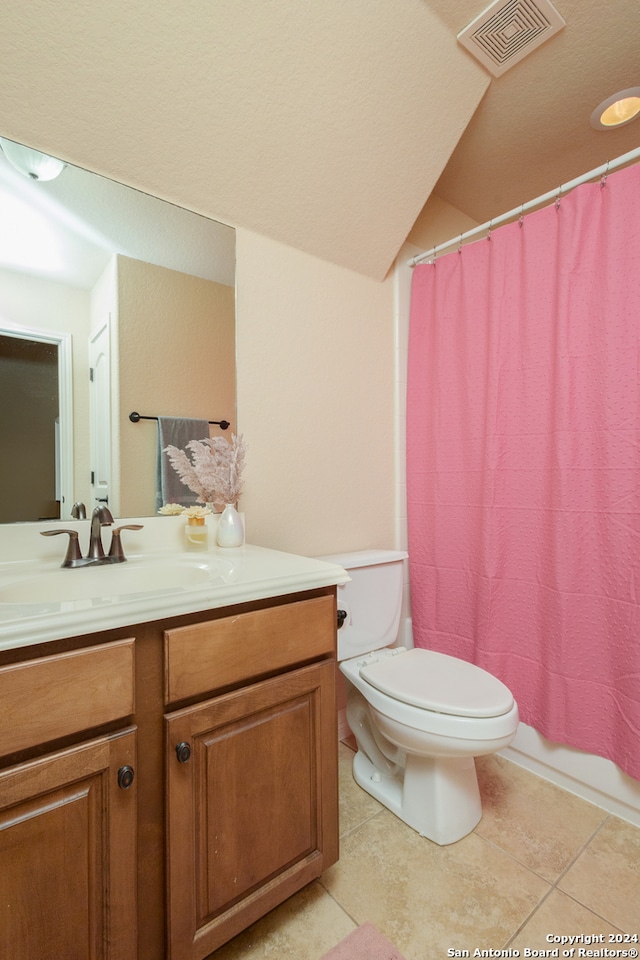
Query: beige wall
[
  {"x": 176, "y": 345},
  {"x": 315, "y": 401}
]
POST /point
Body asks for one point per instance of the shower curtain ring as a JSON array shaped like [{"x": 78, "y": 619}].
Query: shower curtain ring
[
  {"x": 489, "y": 230},
  {"x": 558, "y": 197},
  {"x": 521, "y": 217},
  {"x": 460, "y": 244},
  {"x": 603, "y": 178}
]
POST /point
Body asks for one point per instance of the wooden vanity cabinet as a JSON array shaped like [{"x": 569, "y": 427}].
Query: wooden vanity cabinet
[
  {"x": 68, "y": 873},
  {"x": 163, "y": 786},
  {"x": 67, "y": 855},
  {"x": 251, "y": 773}
]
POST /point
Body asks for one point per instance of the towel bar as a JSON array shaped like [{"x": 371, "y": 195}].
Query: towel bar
[{"x": 134, "y": 416}]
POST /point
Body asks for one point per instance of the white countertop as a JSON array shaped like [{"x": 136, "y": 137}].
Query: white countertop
[{"x": 242, "y": 574}]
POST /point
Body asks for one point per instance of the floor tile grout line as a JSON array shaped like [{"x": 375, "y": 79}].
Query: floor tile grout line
[
  {"x": 606, "y": 819},
  {"x": 338, "y": 904},
  {"x": 538, "y": 904},
  {"x": 591, "y": 910},
  {"x": 362, "y": 823},
  {"x": 536, "y": 873},
  {"x": 515, "y": 859},
  {"x": 554, "y": 886},
  {"x": 529, "y": 916},
  {"x": 582, "y": 850}
]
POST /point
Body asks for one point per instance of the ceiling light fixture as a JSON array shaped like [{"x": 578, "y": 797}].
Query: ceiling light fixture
[
  {"x": 615, "y": 111},
  {"x": 31, "y": 163}
]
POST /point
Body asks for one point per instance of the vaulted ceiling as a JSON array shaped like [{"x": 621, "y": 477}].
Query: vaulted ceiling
[
  {"x": 323, "y": 126},
  {"x": 531, "y": 132}
]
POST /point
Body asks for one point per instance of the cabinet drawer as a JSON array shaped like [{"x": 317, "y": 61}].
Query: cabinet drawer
[
  {"x": 208, "y": 656},
  {"x": 56, "y": 696}
]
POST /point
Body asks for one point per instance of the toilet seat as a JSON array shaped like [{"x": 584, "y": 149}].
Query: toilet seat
[
  {"x": 477, "y": 732},
  {"x": 437, "y": 682}
]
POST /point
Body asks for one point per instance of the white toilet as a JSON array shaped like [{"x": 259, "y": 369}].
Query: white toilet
[{"x": 419, "y": 717}]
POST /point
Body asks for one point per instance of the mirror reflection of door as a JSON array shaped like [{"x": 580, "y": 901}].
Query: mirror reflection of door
[
  {"x": 29, "y": 429},
  {"x": 100, "y": 400}
]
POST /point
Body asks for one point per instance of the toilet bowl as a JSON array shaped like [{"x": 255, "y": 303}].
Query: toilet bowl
[{"x": 419, "y": 717}]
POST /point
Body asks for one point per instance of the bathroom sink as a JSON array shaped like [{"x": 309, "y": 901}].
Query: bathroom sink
[
  {"x": 111, "y": 581},
  {"x": 40, "y": 601}
]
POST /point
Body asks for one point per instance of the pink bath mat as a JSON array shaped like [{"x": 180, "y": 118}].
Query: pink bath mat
[{"x": 365, "y": 943}]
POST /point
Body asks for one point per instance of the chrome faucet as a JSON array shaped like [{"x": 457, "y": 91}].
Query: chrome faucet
[{"x": 101, "y": 517}]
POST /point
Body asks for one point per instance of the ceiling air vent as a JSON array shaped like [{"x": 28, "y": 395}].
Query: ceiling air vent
[{"x": 507, "y": 32}]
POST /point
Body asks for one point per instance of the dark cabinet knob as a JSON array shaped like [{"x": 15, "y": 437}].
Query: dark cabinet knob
[
  {"x": 125, "y": 777},
  {"x": 183, "y": 751},
  {"x": 342, "y": 616}
]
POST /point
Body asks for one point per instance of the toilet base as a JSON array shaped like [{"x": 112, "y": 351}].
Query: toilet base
[{"x": 438, "y": 796}]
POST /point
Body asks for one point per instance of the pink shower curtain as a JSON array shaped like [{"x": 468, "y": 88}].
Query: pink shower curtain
[{"x": 523, "y": 463}]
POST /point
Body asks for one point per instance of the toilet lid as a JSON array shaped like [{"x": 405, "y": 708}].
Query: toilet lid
[{"x": 435, "y": 681}]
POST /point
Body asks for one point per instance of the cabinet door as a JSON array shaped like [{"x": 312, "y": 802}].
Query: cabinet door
[
  {"x": 67, "y": 854},
  {"x": 252, "y": 804}
]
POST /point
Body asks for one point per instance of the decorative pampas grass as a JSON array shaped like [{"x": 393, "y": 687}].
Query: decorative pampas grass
[{"x": 214, "y": 472}]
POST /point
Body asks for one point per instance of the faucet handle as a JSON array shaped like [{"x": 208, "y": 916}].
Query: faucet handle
[
  {"x": 73, "y": 550},
  {"x": 116, "y": 553}
]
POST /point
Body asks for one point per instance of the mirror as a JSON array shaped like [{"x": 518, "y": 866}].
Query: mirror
[{"x": 140, "y": 294}]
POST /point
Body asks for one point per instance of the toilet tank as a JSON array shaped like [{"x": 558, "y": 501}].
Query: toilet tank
[{"x": 372, "y": 600}]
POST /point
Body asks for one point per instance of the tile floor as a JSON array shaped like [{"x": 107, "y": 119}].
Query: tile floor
[{"x": 540, "y": 862}]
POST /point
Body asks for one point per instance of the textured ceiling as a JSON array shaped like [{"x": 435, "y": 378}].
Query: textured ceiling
[
  {"x": 531, "y": 132},
  {"x": 323, "y": 126}
]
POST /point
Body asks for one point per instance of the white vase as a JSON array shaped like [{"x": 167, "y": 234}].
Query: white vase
[{"x": 230, "y": 528}]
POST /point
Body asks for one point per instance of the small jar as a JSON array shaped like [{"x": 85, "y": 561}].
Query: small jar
[{"x": 196, "y": 534}]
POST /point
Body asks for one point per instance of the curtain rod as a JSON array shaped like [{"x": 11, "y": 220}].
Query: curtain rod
[{"x": 556, "y": 194}]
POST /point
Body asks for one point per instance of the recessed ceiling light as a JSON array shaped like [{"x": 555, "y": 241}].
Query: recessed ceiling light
[{"x": 621, "y": 108}]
